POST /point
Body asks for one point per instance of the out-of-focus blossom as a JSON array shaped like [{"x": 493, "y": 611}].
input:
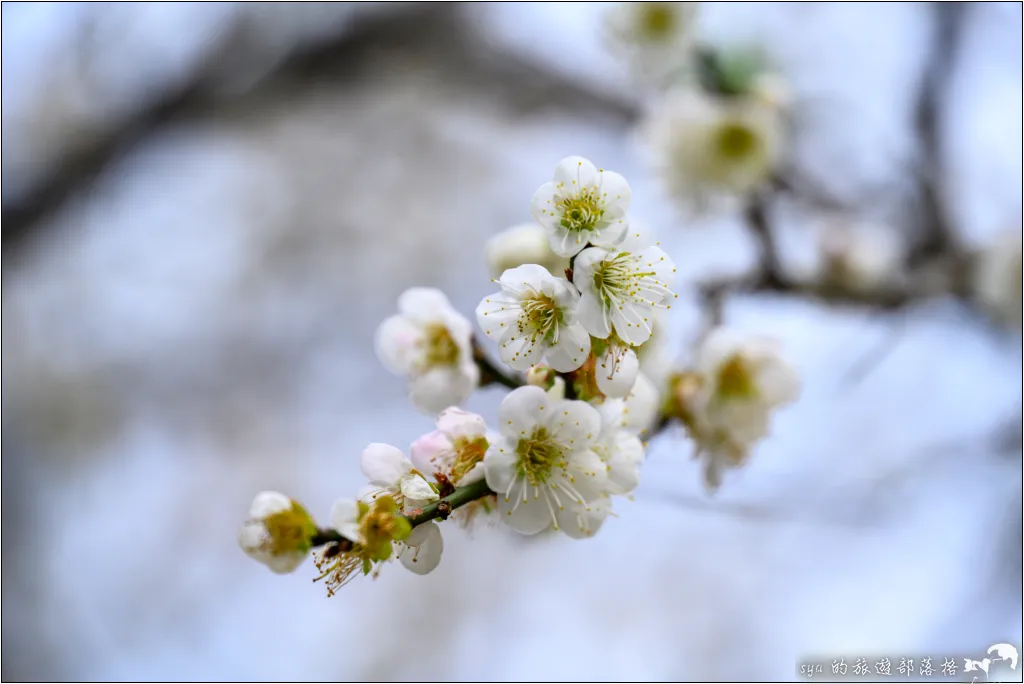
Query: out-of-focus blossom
[{"x": 431, "y": 343}]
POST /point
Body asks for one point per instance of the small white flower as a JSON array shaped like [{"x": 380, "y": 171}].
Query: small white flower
[
  {"x": 620, "y": 289},
  {"x": 431, "y": 343},
  {"x": 421, "y": 550},
  {"x": 728, "y": 402},
  {"x": 277, "y": 532},
  {"x": 619, "y": 447},
  {"x": 655, "y": 37},
  {"x": 526, "y": 243},
  {"x": 583, "y": 204},
  {"x": 708, "y": 146},
  {"x": 542, "y": 465},
  {"x": 456, "y": 449},
  {"x": 388, "y": 470},
  {"x": 997, "y": 279},
  {"x": 534, "y": 317}
]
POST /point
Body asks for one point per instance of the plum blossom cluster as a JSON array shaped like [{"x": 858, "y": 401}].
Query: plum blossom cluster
[{"x": 581, "y": 292}]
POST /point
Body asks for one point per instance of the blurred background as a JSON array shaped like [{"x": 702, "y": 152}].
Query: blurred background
[{"x": 208, "y": 208}]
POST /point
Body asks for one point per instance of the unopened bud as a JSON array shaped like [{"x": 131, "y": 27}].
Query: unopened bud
[{"x": 526, "y": 243}]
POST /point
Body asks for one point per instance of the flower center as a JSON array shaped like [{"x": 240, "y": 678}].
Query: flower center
[
  {"x": 735, "y": 141},
  {"x": 656, "y": 20},
  {"x": 620, "y": 278},
  {"x": 735, "y": 379},
  {"x": 442, "y": 350},
  {"x": 540, "y": 318},
  {"x": 289, "y": 531},
  {"x": 538, "y": 456},
  {"x": 467, "y": 454},
  {"x": 582, "y": 211}
]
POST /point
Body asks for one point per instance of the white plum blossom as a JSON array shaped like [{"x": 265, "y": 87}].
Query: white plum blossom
[
  {"x": 388, "y": 470},
  {"x": 619, "y": 447},
  {"x": 534, "y": 317},
  {"x": 542, "y": 466},
  {"x": 997, "y": 278},
  {"x": 583, "y": 204},
  {"x": 431, "y": 343},
  {"x": 656, "y": 38},
  {"x": 621, "y": 288},
  {"x": 277, "y": 532},
  {"x": 526, "y": 243},
  {"x": 727, "y": 402},
  {"x": 456, "y": 449},
  {"x": 707, "y": 147}
]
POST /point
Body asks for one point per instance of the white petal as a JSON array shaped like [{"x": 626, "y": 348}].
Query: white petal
[
  {"x": 563, "y": 292},
  {"x": 497, "y": 314},
  {"x": 384, "y": 465},
  {"x": 566, "y": 243},
  {"x": 458, "y": 423},
  {"x": 571, "y": 350},
  {"x": 574, "y": 424},
  {"x": 440, "y": 388},
  {"x": 425, "y": 546},
  {"x": 499, "y": 463},
  {"x": 611, "y": 234},
  {"x": 636, "y": 239},
  {"x": 523, "y": 279},
  {"x": 642, "y": 405},
  {"x": 415, "y": 488},
  {"x": 345, "y": 519},
  {"x": 522, "y": 410},
  {"x": 579, "y": 522},
  {"x": 423, "y": 304},
  {"x": 252, "y": 536},
  {"x": 285, "y": 563},
  {"x": 432, "y": 453},
  {"x": 632, "y": 323},
  {"x": 544, "y": 206},
  {"x": 526, "y": 511},
  {"x": 616, "y": 371},
  {"x": 615, "y": 192},
  {"x": 661, "y": 263},
  {"x": 588, "y": 474},
  {"x": 593, "y": 316},
  {"x": 519, "y": 351},
  {"x": 266, "y": 504},
  {"x": 627, "y": 453},
  {"x": 586, "y": 263},
  {"x": 573, "y": 173},
  {"x": 475, "y": 474},
  {"x": 398, "y": 342},
  {"x": 368, "y": 492}
]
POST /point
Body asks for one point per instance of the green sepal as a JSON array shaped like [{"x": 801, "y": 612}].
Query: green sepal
[
  {"x": 367, "y": 566},
  {"x": 403, "y": 528}
]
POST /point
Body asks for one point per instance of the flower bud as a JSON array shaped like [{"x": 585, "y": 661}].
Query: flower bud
[
  {"x": 278, "y": 532},
  {"x": 526, "y": 243},
  {"x": 541, "y": 376}
]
